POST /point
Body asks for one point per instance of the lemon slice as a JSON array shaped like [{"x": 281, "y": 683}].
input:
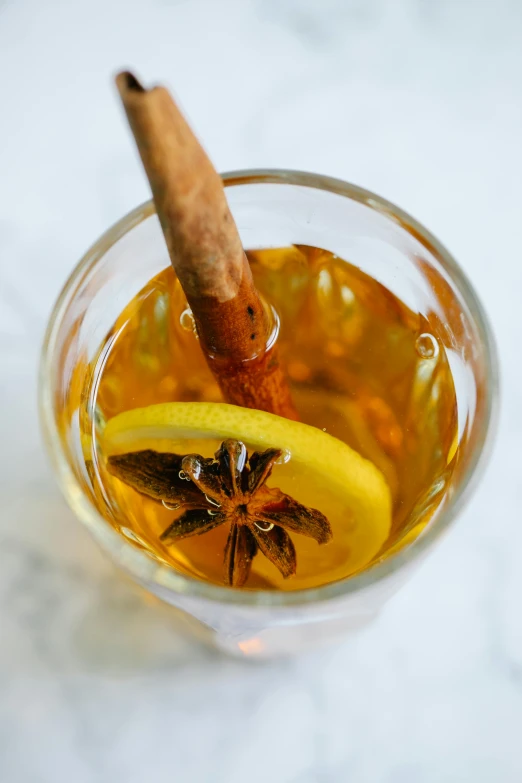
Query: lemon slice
[{"x": 342, "y": 472}]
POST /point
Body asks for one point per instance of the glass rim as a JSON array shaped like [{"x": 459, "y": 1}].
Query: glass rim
[{"x": 142, "y": 567}]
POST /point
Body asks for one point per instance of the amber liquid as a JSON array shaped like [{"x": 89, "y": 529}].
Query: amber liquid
[{"x": 361, "y": 365}]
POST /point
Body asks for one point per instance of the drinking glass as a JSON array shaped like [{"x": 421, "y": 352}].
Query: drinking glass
[{"x": 274, "y": 208}]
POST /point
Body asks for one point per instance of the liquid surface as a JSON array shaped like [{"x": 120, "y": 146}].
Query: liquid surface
[{"x": 362, "y": 367}]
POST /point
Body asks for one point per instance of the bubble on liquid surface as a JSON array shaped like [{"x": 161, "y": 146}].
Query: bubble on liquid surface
[
  {"x": 285, "y": 457},
  {"x": 265, "y": 527},
  {"x": 427, "y": 346},
  {"x": 242, "y": 457},
  {"x": 212, "y": 501},
  {"x": 187, "y": 322},
  {"x": 171, "y": 506}
]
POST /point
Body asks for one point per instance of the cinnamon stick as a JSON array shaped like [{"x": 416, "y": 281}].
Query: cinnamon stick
[{"x": 206, "y": 252}]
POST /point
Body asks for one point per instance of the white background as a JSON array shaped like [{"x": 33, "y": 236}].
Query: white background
[{"x": 419, "y": 101}]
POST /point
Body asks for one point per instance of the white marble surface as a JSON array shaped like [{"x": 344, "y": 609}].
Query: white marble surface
[{"x": 420, "y": 101}]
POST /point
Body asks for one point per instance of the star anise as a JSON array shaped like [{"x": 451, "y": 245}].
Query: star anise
[{"x": 228, "y": 489}]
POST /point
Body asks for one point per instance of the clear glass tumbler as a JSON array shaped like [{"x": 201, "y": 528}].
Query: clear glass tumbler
[{"x": 273, "y": 208}]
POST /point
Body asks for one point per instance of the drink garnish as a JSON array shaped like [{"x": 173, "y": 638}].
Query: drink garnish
[
  {"x": 229, "y": 489},
  {"x": 146, "y": 444}
]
